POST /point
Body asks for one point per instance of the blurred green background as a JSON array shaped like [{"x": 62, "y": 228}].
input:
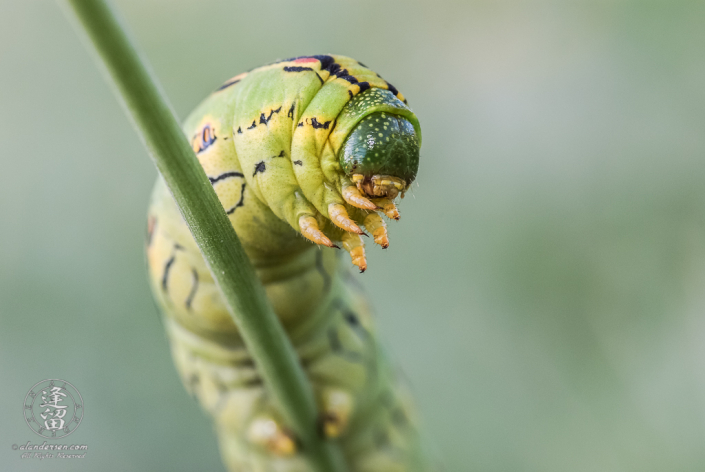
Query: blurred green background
[{"x": 543, "y": 291}]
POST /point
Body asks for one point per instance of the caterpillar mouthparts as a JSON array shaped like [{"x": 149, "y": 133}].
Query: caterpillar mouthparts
[{"x": 378, "y": 186}]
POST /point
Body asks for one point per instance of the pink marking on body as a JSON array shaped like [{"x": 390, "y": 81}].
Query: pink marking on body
[{"x": 305, "y": 60}]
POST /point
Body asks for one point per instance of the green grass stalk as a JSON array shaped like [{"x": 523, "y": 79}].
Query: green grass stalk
[{"x": 156, "y": 124}]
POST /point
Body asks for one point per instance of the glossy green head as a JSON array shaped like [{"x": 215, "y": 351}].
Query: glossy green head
[
  {"x": 382, "y": 144},
  {"x": 381, "y": 152}
]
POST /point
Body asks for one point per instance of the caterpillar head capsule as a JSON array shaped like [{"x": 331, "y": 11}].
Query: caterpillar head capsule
[{"x": 381, "y": 155}]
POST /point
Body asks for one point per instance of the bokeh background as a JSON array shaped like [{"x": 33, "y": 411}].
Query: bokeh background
[{"x": 544, "y": 291}]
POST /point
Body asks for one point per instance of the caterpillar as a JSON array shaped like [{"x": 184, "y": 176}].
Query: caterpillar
[{"x": 305, "y": 150}]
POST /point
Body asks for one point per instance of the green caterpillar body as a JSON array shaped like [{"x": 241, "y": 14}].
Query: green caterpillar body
[{"x": 269, "y": 141}]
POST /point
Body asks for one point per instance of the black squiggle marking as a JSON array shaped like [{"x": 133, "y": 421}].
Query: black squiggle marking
[
  {"x": 253, "y": 125},
  {"x": 326, "y": 61},
  {"x": 317, "y": 125},
  {"x": 363, "y": 86},
  {"x": 194, "y": 288},
  {"x": 281, "y": 154},
  {"x": 334, "y": 69},
  {"x": 167, "y": 266},
  {"x": 354, "y": 322},
  {"x": 224, "y": 176},
  {"x": 291, "y": 111},
  {"x": 227, "y": 84},
  {"x": 240, "y": 203},
  {"x": 264, "y": 120},
  {"x": 344, "y": 74},
  {"x": 298, "y": 163},
  {"x": 349, "y": 78},
  {"x": 337, "y": 348},
  {"x": 302, "y": 69},
  {"x": 392, "y": 88},
  {"x": 165, "y": 276},
  {"x": 296, "y": 69},
  {"x": 351, "y": 318},
  {"x": 260, "y": 167},
  {"x": 239, "y": 130}
]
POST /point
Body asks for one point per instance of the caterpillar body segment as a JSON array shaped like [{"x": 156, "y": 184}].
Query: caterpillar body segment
[{"x": 272, "y": 142}]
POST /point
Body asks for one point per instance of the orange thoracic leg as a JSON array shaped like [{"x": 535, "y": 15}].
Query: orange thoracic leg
[
  {"x": 309, "y": 228},
  {"x": 388, "y": 208},
  {"x": 353, "y": 197},
  {"x": 339, "y": 216},
  {"x": 354, "y": 245},
  {"x": 376, "y": 226}
]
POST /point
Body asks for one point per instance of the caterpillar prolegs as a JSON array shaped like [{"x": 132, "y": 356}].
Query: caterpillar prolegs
[{"x": 317, "y": 147}]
